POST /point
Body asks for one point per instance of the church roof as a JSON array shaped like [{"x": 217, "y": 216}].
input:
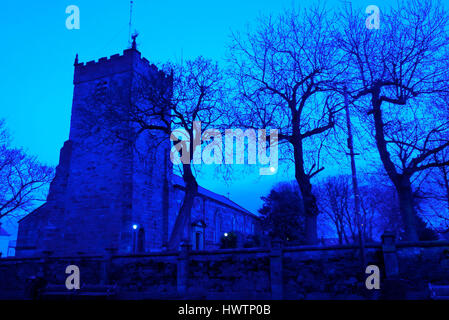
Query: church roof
[{"x": 177, "y": 180}]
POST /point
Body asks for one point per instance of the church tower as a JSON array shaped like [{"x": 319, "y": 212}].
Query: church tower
[{"x": 111, "y": 188}]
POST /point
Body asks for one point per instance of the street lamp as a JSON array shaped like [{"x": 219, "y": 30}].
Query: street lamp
[
  {"x": 355, "y": 182},
  {"x": 135, "y": 226}
]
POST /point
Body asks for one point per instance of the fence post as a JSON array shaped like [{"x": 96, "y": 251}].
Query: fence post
[
  {"x": 107, "y": 266},
  {"x": 276, "y": 270},
  {"x": 390, "y": 255},
  {"x": 183, "y": 268},
  {"x": 393, "y": 287}
]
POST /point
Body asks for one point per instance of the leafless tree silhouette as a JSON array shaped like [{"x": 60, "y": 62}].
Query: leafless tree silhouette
[
  {"x": 401, "y": 72},
  {"x": 23, "y": 180},
  {"x": 284, "y": 71}
]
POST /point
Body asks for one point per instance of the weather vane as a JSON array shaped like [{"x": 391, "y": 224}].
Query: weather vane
[{"x": 134, "y": 36}]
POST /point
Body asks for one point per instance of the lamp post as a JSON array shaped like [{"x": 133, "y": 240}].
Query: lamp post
[
  {"x": 135, "y": 227},
  {"x": 355, "y": 186}
]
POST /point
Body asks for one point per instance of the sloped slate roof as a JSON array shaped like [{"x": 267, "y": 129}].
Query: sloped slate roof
[{"x": 177, "y": 180}]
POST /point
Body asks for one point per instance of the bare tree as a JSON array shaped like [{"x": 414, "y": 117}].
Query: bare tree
[
  {"x": 336, "y": 202},
  {"x": 379, "y": 204},
  {"x": 23, "y": 180},
  {"x": 442, "y": 181},
  {"x": 197, "y": 98},
  {"x": 283, "y": 71},
  {"x": 180, "y": 106},
  {"x": 333, "y": 201},
  {"x": 435, "y": 193},
  {"x": 400, "y": 71},
  {"x": 379, "y": 208}
]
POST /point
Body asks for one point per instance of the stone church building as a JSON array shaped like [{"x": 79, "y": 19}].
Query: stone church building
[{"x": 115, "y": 194}]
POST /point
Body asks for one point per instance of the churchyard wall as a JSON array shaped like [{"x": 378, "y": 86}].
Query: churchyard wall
[{"x": 303, "y": 272}]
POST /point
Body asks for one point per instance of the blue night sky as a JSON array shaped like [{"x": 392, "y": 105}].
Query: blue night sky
[{"x": 38, "y": 52}]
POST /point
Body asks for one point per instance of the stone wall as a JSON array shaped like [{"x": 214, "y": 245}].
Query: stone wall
[
  {"x": 15, "y": 273},
  {"x": 240, "y": 274},
  {"x": 307, "y": 272}
]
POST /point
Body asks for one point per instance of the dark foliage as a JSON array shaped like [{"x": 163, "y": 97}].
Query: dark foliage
[{"x": 283, "y": 213}]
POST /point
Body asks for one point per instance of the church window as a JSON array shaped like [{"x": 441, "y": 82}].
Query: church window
[
  {"x": 198, "y": 240},
  {"x": 101, "y": 91},
  {"x": 197, "y": 204},
  {"x": 198, "y": 235}
]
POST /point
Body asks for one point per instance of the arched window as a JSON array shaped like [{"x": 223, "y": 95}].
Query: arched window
[
  {"x": 198, "y": 240},
  {"x": 101, "y": 89},
  {"x": 198, "y": 231}
]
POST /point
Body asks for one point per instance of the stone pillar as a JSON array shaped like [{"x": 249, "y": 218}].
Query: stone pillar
[
  {"x": 107, "y": 266},
  {"x": 393, "y": 288},
  {"x": 390, "y": 255},
  {"x": 276, "y": 270},
  {"x": 183, "y": 268}
]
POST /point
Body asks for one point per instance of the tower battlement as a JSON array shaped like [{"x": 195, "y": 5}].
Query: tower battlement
[{"x": 129, "y": 60}]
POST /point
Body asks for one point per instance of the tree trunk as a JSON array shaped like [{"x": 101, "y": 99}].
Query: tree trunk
[
  {"x": 181, "y": 229},
  {"x": 408, "y": 213},
  {"x": 309, "y": 200},
  {"x": 311, "y": 229},
  {"x": 339, "y": 227},
  {"x": 401, "y": 181}
]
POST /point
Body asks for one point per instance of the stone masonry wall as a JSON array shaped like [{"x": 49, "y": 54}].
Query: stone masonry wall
[
  {"x": 308, "y": 272},
  {"x": 104, "y": 185}
]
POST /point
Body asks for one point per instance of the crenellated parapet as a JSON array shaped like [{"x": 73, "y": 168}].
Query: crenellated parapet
[{"x": 129, "y": 60}]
